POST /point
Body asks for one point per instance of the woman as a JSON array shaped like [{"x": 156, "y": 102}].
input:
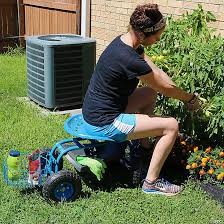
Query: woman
[{"x": 113, "y": 99}]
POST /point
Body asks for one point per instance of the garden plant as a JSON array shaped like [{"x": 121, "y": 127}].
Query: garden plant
[{"x": 193, "y": 56}]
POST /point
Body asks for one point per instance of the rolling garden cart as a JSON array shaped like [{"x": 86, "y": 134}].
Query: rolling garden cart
[{"x": 44, "y": 167}]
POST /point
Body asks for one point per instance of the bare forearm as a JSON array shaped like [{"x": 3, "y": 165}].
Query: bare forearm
[
  {"x": 164, "y": 84},
  {"x": 160, "y": 85},
  {"x": 177, "y": 93},
  {"x": 166, "y": 78}
]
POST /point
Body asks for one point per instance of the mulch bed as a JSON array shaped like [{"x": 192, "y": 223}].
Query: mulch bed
[
  {"x": 178, "y": 174},
  {"x": 214, "y": 191}
]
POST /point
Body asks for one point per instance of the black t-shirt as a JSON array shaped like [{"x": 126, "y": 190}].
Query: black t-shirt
[{"x": 113, "y": 80}]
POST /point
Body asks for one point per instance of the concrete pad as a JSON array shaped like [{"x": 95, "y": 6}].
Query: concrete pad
[{"x": 46, "y": 111}]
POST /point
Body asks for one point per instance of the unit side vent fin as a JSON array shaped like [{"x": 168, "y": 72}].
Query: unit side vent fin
[
  {"x": 35, "y": 71},
  {"x": 68, "y": 69}
]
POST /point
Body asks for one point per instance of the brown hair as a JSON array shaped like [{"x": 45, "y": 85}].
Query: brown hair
[{"x": 145, "y": 16}]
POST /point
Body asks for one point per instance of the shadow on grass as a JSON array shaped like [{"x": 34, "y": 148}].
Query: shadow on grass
[
  {"x": 38, "y": 189},
  {"x": 29, "y": 191},
  {"x": 118, "y": 175}
]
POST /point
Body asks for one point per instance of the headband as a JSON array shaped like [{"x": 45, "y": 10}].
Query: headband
[{"x": 159, "y": 25}]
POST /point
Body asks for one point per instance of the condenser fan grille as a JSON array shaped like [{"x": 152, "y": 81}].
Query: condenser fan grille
[
  {"x": 35, "y": 71},
  {"x": 68, "y": 74}
]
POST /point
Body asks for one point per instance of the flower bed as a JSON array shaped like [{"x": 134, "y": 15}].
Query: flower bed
[
  {"x": 203, "y": 164},
  {"x": 207, "y": 163}
]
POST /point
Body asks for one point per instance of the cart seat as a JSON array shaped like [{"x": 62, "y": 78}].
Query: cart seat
[{"x": 75, "y": 126}]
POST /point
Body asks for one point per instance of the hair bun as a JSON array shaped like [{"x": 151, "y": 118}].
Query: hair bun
[
  {"x": 151, "y": 12},
  {"x": 145, "y": 16}
]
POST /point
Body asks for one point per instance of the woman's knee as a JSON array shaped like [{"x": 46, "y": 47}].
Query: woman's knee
[{"x": 173, "y": 126}]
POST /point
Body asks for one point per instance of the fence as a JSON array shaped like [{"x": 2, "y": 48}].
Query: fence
[
  {"x": 35, "y": 17},
  {"x": 8, "y": 23}
]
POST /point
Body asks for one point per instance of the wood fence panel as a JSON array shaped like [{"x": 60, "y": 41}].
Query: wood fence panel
[
  {"x": 51, "y": 17},
  {"x": 21, "y": 22},
  {"x": 8, "y": 24},
  {"x": 35, "y": 17}
]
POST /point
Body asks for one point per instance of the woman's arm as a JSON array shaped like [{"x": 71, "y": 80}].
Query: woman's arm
[
  {"x": 154, "y": 80},
  {"x": 160, "y": 72},
  {"x": 162, "y": 83}
]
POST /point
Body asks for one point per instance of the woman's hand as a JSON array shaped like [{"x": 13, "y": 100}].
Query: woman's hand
[{"x": 194, "y": 103}]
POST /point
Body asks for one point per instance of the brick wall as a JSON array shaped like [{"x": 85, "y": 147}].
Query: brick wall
[{"x": 110, "y": 18}]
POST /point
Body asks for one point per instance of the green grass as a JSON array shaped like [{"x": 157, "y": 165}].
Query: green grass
[{"x": 25, "y": 129}]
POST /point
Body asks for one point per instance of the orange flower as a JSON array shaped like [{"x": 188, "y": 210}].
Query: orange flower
[
  {"x": 195, "y": 149},
  {"x": 220, "y": 176},
  {"x": 208, "y": 150},
  {"x": 204, "y": 160},
  {"x": 203, "y": 164},
  {"x": 211, "y": 171},
  {"x": 183, "y": 143},
  {"x": 188, "y": 167},
  {"x": 202, "y": 172},
  {"x": 194, "y": 165},
  {"x": 221, "y": 154}
]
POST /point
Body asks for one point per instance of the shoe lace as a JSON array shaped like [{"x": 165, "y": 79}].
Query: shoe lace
[{"x": 167, "y": 185}]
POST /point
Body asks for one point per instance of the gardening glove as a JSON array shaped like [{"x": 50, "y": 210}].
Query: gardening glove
[
  {"x": 97, "y": 166},
  {"x": 194, "y": 103}
]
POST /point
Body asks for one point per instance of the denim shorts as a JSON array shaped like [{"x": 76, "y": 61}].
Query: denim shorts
[{"x": 118, "y": 131}]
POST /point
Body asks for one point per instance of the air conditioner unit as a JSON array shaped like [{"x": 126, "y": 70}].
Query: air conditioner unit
[{"x": 59, "y": 68}]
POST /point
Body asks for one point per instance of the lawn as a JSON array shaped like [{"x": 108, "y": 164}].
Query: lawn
[{"x": 24, "y": 128}]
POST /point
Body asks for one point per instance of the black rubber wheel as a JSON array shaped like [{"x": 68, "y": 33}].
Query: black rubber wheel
[{"x": 62, "y": 186}]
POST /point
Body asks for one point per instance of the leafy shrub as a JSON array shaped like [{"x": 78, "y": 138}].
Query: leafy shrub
[{"x": 194, "y": 58}]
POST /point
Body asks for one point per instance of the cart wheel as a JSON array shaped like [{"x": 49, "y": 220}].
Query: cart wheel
[{"x": 62, "y": 186}]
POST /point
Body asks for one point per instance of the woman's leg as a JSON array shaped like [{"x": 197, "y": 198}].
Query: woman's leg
[
  {"x": 166, "y": 129},
  {"x": 142, "y": 101}
]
